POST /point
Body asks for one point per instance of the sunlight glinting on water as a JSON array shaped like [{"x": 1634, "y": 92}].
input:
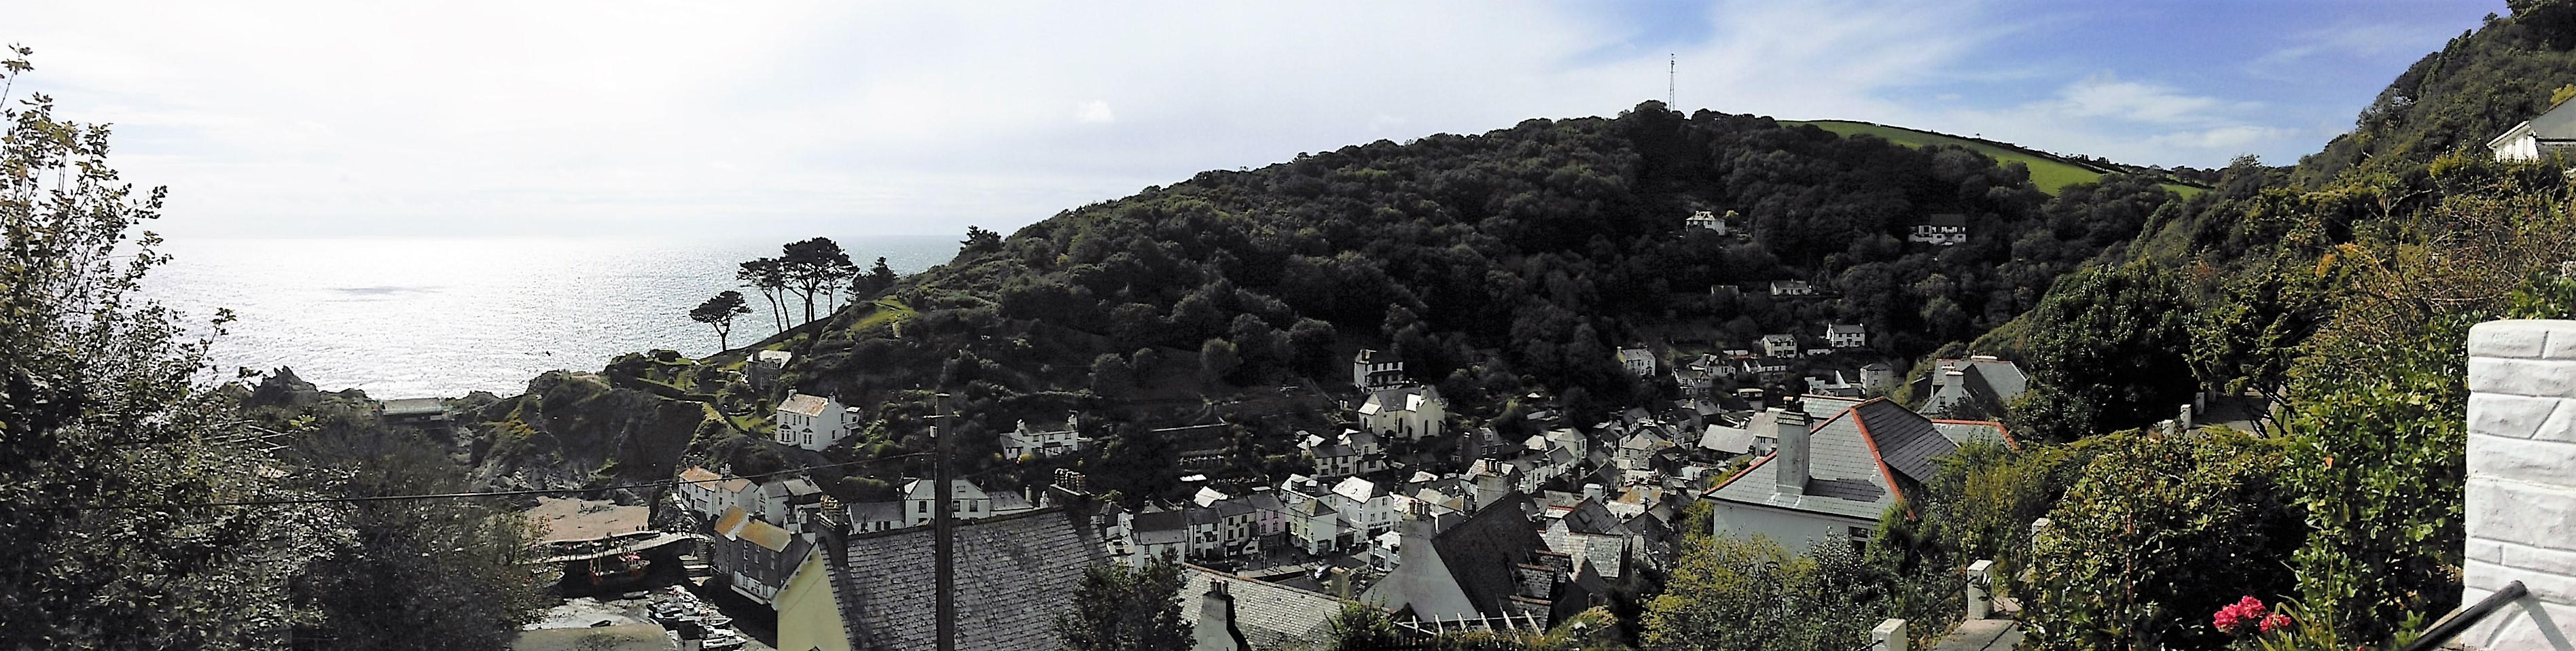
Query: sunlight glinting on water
[{"x": 441, "y": 317}]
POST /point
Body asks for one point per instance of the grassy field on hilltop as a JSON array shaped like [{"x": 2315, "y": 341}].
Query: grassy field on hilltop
[{"x": 2047, "y": 172}]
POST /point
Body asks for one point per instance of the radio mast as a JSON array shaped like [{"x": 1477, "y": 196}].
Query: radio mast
[{"x": 1672, "y": 68}]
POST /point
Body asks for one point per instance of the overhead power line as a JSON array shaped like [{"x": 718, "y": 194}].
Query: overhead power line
[{"x": 435, "y": 496}]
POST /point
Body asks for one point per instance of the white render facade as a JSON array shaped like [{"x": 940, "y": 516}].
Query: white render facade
[
  {"x": 1410, "y": 412},
  {"x": 812, "y": 422}
]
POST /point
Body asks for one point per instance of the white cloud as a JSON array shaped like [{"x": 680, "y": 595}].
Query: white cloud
[
  {"x": 1095, "y": 112},
  {"x": 2104, "y": 95},
  {"x": 797, "y": 118}
]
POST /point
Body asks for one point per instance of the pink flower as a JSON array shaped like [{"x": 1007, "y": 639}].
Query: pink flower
[
  {"x": 2233, "y": 618},
  {"x": 2275, "y": 622}
]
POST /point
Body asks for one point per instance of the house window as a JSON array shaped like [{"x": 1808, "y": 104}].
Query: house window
[{"x": 1859, "y": 540}]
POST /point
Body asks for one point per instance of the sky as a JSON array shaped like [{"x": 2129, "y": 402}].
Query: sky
[{"x": 792, "y": 119}]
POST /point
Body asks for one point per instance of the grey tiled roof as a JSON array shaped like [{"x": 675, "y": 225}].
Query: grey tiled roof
[
  {"x": 1866, "y": 444},
  {"x": 1964, "y": 432},
  {"x": 1270, "y": 615},
  {"x": 1014, "y": 573},
  {"x": 1481, "y": 550},
  {"x": 1906, "y": 441}
]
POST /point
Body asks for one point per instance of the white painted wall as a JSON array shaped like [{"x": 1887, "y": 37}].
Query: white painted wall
[
  {"x": 1794, "y": 531},
  {"x": 2522, "y": 482}
]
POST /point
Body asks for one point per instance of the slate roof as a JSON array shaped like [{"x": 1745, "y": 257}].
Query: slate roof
[
  {"x": 803, "y": 405},
  {"x": 1014, "y": 573},
  {"x": 1589, "y": 516},
  {"x": 1963, "y": 432},
  {"x": 1604, "y": 553},
  {"x": 1730, "y": 440},
  {"x": 1990, "y": 381},
  {"x": 1270, "y": 615},
  {"x": 1871, "y": 443},
  {"x": 1480, "y": 551},
  {"x": 1820, "y": 407}
]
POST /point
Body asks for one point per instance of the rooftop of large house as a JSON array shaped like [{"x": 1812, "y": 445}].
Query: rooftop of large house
[
  {"x": 1014, "y": 573},
  {"x": 1270, "y": 615},
  {"x": 804, "y": 405},
  {"x": 1853, "y": 457}
]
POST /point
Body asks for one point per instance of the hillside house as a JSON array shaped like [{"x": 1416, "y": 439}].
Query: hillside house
[
  {"x": 1877, "y": 377},
  {"x": 2546, "y": 136},
  {"x": 1977, "y": 386},
  {"x": 1639, "y": 361},
  {"x": 812, "y": 422},
  {"x": 965, "y": 501},
  {"x": 1044, "y": 440},
  {"x": 1792, "y": 288},
  {"x": 1314, "y": 523},
  {"x": 1411, "y": 412},
  {"x": 1707, "y": 220},
  {"x": 1846, "y": 335},
  {"x": 766, "y": 366},
  {"x": 1780, "y": 346},
  {"x": 1944, "y": 230},
  {"x": 1204, "y": 539},
  {"x": 872, "y": 517},
  {"x": 1372, "y": 370},
  {"x": 698, "y": 490},
  {"x": 1830, "y": 482}
]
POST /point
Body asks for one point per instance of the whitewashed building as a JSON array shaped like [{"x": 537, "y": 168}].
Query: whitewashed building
[
  {"x": 1411, "y": 412},
  {"x": 1045, "y": 439},
  {"x": 812, "y": 422}
]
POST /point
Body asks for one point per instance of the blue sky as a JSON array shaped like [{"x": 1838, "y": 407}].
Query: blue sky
[{"x": 785, "y": 119}]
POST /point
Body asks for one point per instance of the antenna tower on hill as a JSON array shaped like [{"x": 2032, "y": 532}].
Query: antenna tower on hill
[{"x": 1672, "y": 66}]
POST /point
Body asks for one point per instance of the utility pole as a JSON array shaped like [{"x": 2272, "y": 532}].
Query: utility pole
[
  {"x": 1672, "y": 69},
  {"x": 943, "y": 529}
]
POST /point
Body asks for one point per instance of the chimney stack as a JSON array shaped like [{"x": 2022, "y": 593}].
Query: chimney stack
[
  {"x": 1341, "y": 581},
  {"x": 1216, "y": 629},
  {"x": 1792, "y": 461}
]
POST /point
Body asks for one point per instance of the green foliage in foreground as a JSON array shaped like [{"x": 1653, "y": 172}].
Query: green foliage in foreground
[
  {"x": 1117, "y": 608},
  {"x": 112, "y": 437},
  {"x": 2157, "y": 532},
  {"x": 1737, "y": 594}
]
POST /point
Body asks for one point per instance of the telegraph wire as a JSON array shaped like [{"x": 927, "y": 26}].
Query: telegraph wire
[{"x": 432, "y": 496}]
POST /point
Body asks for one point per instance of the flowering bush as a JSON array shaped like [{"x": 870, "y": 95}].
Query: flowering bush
[{"x": 2233, "y": 618}]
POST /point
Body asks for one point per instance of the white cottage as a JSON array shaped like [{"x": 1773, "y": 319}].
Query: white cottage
[{"x": 812, "y": 422}]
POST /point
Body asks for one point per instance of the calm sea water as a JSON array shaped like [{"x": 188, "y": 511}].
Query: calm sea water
[{"x": 442, "y": 317}]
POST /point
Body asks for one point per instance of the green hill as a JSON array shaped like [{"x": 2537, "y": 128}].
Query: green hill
[{"x": 2047, "y": 171}]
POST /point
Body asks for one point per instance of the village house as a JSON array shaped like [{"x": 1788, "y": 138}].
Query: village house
[
  {"x": 1792, "y": 288},
  {"x": 1367, "y": 509},
  {"x": 1639, "y": 361},
  {"x": 1979, "y": 385},
  {"x": 1233, "y": 613},
  {"x": 1372, "y": 370},
  {"x": 1780, "y": 346},
  {"x": 1707, "y": 220},
  {"x": 1877, "y": 377},
  {"x": 812, "y": 422},
  {"x": 1314, "y": 523},
  {"x": 1013, "y": 575},
  {"x": 698, "y": 490},
  {"x": 965, "y": 501},
  {"x": 871, "y": 517},
  {"x": 1411, "y": 412},
  {"x": 1044, "y": 440},
  {"x": 1846, "y": 335},
  {"x": 1159, "y": 533},
  {"x": 1943, "y": 229},
  {"x": 1830, "y": 482},
  {"x": 760, "y": 558},
  {"x": 1204, "y": 539},
  {"x": 766, "y": 366},
  {"x": 1490, "y": 566},
  {"x": 2546, "y": 136}
]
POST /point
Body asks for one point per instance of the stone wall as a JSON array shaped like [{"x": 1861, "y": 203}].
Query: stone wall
[{"x": 2522, "y": 482}]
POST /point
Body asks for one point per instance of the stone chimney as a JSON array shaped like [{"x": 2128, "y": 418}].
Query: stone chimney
[
  {"x": 1791, "y": 475},
  {"x": 1339, "y": 579},
  {"x": 1215, "y": 630},
  {"x": 1592, "y": 491},
  {"x": 2522, "y": 482}
]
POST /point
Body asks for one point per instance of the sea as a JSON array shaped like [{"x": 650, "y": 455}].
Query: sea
[{"x": 441, "y": 317}]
